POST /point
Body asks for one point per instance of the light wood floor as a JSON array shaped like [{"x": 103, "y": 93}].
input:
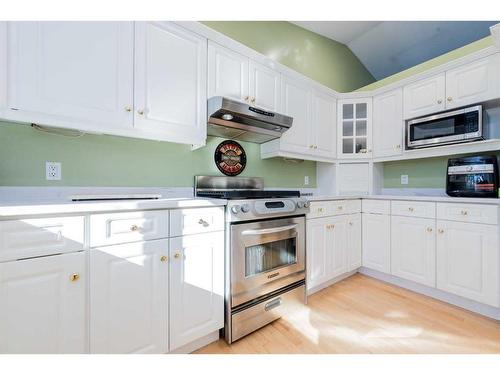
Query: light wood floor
[{"x": 364, "y": 315}]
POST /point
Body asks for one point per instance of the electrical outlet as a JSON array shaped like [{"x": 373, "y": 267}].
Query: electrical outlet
[
  {"x": 53, "y": 170},
  {"x": 306, "y": 180},
  {"x": 404, "y": 179}
]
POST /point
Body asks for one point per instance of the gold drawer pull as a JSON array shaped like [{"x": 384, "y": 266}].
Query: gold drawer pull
[
  {"x": 203, "y": 222},
  {"x": 464, "y": 212},
  {"x": 177, "y": 255},
  {"x": 429, "y": 230},
  {"x": 411, "y": 209},
  {"x": 340, "y": 207},
  {"x": 135, "y": 228},
  {"x": 163, "y": 258},
  {"x": 441, "y": 231},
  {"x": 320, "y": 209},
  {"x": 74, "y": 277},
  {"x": 350, "y": 223}
]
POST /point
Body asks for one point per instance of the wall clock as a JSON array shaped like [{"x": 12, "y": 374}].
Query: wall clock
[{"x": 230, "y": 158}]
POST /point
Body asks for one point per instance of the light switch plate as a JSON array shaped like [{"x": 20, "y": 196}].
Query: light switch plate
[
  {"x": 404, "y": 179},
  {"x": 306, "y": 180},
  {"x": 53, "y": 170}
]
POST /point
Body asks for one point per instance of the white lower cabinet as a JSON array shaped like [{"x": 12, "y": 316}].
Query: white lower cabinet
[
  {"x": 129, "y": 298},
  {"x": 354, "y": 242},
  {"x": 413, "y": 249},
  {"x": 196, "y": 287},
  {"x": 42, "y": 305},
  {"x": 377, "y": 242},
  {"x": 468, "y": 260}
]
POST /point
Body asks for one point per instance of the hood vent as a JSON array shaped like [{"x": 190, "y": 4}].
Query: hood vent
[{"x": 229, "y": 118}]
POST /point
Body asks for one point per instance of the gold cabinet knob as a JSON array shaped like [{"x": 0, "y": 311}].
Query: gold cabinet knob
[
  {"x": 363, "y": 151},
  {"x": 350, "y": 223},
  {"x": 340, "y": 207},
  {"x": 140, "y": 111},
  {"x": 246, "y": 98},
  {"x": 398, "y": 146},
  {"x": 128, "y": 109},
  {"x": 440, "y": 230},
  {"x": 163, "y": 258},
  {"x": 449, "y": 98},
  {"x": 74, "y": 277},
  {"x": 253, "y": 100},
  {"x": 315, "y": 146},
  {"x": 177, "y": 255},
  {"x": 411, "y": 209},
  {"x": 464, "y": 212},
  {"x": 134, "y": 228},
  {"x": 439, "y": 101},
  {"x": 320, "y": 209},
  {"x": 429, "y": 230},
  {"x": 203, "y": 222},
  {"x": 311, "y": 146}
]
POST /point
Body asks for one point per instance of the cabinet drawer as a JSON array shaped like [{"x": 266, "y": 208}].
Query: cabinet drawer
[
  {"x": 376, "y": 206},
  {"x": 196, "y": 220},
  {"x": 469, "y": 213},
  {"x": 320, "y": 209},
  {"x": 115, "y": 228},
  {"x": 413, "y": 209},
  {"x": 36, "y": 237},
  {"x": 346, "y": 207}
]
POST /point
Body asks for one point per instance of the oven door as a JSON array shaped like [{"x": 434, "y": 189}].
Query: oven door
[{"x": 265, "y": 256}]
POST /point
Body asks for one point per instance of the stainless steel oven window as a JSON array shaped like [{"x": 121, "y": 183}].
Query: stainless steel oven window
[{"x": 269, "y": 256}]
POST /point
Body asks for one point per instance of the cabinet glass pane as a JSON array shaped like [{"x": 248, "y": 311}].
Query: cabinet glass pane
[
  {"x": 347, "y": 128},
  {"x": 361, "y": 110},
  {"x": 361, "y": 127},
  {"x": 360, "y": 144},
  {"x": 347, "y": 110},
  {"x": 347, "y": 146}
]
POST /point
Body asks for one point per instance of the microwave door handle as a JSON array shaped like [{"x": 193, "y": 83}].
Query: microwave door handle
[{"x": 255, "y": 232}]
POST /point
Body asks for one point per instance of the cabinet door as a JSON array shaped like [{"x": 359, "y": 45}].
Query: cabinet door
[
  {"x": 75, "y": 72},
  {"x": 473, "y": 83},
  {"x": 413, "y": 249},
  {"x": 3, "y": 66},
  {"x": 354, "y": 242},
  {"x": 377, "y": 242},
  {"x": 354, "y": 128},
  {"x": 265, "y": 87},
  {"x": 337, "y": 238},
  {"x": 296, "y": 102},
  {"x": 196, "y": 287},
  {"x": 43, "y": 305},
  {"x": 129, "y": 298},
  {"x": 170, "y": 82},
  {"x": 388, "y": 124},
  {"x": 424, "y": 97},
  {"x": 323, "y": 127},
  {"x": 318, "y": 270},
  {"x": 227, "y": 73},
  {"x": 468, "y": 260}
]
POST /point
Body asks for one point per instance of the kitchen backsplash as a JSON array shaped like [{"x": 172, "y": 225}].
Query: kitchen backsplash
[{"x": 101, "y": 160}]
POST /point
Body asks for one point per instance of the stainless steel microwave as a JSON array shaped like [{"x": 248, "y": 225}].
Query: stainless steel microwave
[{"x": 457, "y": 126}]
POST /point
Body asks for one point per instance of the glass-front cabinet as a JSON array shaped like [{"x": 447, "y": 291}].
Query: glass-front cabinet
[{"x": 354, "y": 128}]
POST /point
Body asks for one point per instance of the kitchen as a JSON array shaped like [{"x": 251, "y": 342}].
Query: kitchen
[{"x": 269, "y": 207}]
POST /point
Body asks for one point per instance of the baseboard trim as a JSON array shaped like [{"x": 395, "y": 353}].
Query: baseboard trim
[
  {"x": 197, "y": 344},
  {"x": 328, "y": 283},
  {"x": 477, "y": 307}
]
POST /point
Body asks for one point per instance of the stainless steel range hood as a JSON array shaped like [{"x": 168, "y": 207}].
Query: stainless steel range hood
[{"x": 235, "y": 120}]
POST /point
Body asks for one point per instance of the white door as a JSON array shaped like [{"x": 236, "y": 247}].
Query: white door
[
  {"x": 353, "y": 242},
  {"x": 227, "y": 73},
  {"x": 323, "y": 126},
  {"x": 170, "y": 82},
  {"x": 129, "y": 298},
  {"x": 43, "y": 305},
  {"x": 473, "y": 83},
  {"x": 318, "y": 248},
  {"x": 265, "y": 87},
  {"x": 424, "y": 97},
  {"x": 296, "y": 102},
  {"x": 377, "y": 242},
  {"x": 196, "y": 287},
  {"x": 413, "y": 249},
  {"x": 3, "y": 66},
  {"x": 75, "y": 72},
  {"x": 388, "y": 124},
  {"x": 468, "y": 260},
  {"x": 354, "y": 135},
  {"x": 337, "y": 240}
]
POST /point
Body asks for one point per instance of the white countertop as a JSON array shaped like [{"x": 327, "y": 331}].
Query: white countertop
[
  {"x": 10, "y": 210},
  {"x": 407, "y": 198}
]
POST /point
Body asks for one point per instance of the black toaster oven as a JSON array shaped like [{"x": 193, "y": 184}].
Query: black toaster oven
[{"x": 472, "y": 176}]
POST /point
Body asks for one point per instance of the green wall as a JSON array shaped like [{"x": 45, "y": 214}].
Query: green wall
[
  {"x": 422, "y": 173},
  {"x": 322, "y": 59},
  {"x": 101, "y": 160}
]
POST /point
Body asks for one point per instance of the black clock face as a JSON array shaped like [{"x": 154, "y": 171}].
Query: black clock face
[{"x": 230, "y": 158}]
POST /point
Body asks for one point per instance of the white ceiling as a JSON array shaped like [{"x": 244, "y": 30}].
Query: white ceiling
[{"x": 388, "y": 47}]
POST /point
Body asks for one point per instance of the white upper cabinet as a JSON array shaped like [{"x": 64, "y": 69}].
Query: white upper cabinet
[
  {"x": 296, "y": 102},
  {"x": 71, "y": 74},
  {"x": 3, "y": 66},
  {"x": 388, "y": 124},
  {"x": 227, "y": 73},
  {"x": 354, "y": 135},
  {"x": 323, "y": 127},
  {"x": 170, "y": 82},
  {"x": 474, "y": 82},
  {"x": 424, "y": 97},
  {"x": 467, "y": 260},
  {"x": 377, "y": 242},
  {"x": 265, "y": 87},
  {"x": 43, "y": 305}
]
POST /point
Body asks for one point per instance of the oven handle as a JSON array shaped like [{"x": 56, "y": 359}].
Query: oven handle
[{"x": 254, "y": 232}]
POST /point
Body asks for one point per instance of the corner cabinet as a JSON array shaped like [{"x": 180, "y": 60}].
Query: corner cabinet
[
  {"x": 377, "y": 242},
  {"x": 170, "y": 82},
  {"x": 354, "y": 128}
]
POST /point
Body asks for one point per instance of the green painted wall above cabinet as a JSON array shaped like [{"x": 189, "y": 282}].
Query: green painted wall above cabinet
[{"x": 323, "y": 60}]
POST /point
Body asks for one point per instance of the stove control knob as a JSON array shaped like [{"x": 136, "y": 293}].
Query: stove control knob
[
  {"x": 300, "y": 204},
  {"x": 245, "y": 208},
  {"x": 306, "y": 204},
  {"x": 235, "y": 209}
]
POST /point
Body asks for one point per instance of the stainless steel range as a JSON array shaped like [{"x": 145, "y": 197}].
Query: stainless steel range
[{"x": 265, "y": 251}]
